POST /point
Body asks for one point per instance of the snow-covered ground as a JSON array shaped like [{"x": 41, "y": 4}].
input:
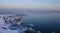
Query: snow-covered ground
[
  {"x": 9, "y": 31},
  {"x": 1, "y": 21}
]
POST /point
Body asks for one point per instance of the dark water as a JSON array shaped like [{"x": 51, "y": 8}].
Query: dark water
[{"x": 46, "y": 23}]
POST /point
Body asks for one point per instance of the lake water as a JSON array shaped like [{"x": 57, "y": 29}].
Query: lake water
[{"x": 45, "y": 22}]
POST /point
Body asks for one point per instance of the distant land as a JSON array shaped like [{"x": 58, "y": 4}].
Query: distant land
[{"x": 23, "y": 12}]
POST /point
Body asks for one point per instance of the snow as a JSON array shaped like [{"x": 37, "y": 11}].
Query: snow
[
  {"x": 12, "y": 31},
  {"x": 9, "y": 31},
  {"x": 6, "y": 31},
  {"x": 2, "y": 21}
]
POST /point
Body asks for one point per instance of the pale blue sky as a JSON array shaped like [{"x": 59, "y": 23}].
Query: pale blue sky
[{"x": 30, "y": 4}]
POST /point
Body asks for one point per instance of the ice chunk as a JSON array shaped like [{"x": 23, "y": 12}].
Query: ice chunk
[
  {"x": 10, "y": 31},
  {"x": 1, "y": 21}
]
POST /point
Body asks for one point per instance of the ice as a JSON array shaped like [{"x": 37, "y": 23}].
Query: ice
[
  {"x": 9, "y": 31},
  {"x": 12, "y": 31},
  {"x": 1, "y": 21}
]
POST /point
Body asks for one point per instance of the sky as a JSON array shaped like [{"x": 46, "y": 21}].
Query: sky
[{"x": 31, "y": 4}]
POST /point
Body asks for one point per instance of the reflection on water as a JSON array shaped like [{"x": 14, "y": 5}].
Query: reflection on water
[{"x": 44, "y": 22}]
